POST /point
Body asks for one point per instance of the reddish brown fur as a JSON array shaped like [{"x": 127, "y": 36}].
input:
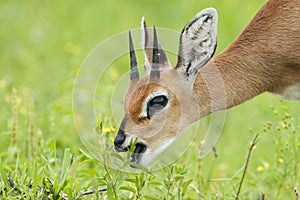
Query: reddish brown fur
[
  {"x": 265, "y": 57},
  {"x": 138, "y": 97}
]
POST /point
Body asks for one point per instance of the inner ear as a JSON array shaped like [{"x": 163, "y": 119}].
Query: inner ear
[
  {"x": 198, "y": 42},
  {"x": 147, "y": 41}
]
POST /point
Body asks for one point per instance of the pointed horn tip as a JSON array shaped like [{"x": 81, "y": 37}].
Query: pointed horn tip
[
  {"x": 130, "y": 40},
  {"x": 154, "y": 31},
  {"x": 129, "y": 34},
  {"x": 143, "y": 22},
  {"x": 134, "y": 74},
  {"x": 131, "y": 48}
]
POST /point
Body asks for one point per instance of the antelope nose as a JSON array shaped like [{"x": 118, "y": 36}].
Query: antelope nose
[{"x": 119, "y": 139}]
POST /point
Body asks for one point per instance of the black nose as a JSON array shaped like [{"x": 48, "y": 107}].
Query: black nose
[{"x": 119, "y": 140}]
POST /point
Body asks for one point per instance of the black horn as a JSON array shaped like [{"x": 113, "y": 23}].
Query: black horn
[
  {"x": 134, "y": 73},
  {"x": 155, "y": 73}
]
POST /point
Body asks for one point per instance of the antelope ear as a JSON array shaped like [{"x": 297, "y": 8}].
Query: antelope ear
[
  {"x": 147, "y": 42},
  {"x": 198, "y": 42}
]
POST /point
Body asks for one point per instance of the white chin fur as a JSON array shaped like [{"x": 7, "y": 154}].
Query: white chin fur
[{"x": 148, "y": 156}]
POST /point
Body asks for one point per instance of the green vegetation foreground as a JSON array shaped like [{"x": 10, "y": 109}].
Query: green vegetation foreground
[{"x": 41, "y": 156}]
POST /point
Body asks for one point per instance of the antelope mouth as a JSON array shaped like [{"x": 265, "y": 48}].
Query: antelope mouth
[
  {"x": 121, "y": 149},
  {"x": 137, "y": 154}
]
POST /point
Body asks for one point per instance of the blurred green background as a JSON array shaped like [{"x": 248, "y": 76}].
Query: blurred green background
[{"x": 43, "y": 44}]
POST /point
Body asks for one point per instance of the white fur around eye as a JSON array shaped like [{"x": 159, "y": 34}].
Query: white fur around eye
[{"x": 149, "y": 98}]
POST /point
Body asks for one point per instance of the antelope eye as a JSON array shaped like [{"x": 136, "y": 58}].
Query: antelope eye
[
  {"x": 156, "y": 104},
  {"x": 159, "y": 101}
]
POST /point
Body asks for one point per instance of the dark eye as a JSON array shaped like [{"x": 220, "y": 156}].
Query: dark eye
[
  {"x": 156, "y": 104},
  {"x": 159, "y": 100}
]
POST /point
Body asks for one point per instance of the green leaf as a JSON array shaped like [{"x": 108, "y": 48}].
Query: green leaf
[
  {"x": 35, "y": 176},
  {"x": 138, "y": 166},
  {"x": 131, "y": 180},
  {"x": 56, "y": 187},
  {"x": 68, "y": 191},
  {"x": 4, "y": 178},
  {"x": 154, "y": 183},
  {"x": 186, "y": 185},
  {"x": 117, "y": 156},
  {"x": 178, "y": 177},
  {"x": 87, "y": 154},
  {"x": 65, "y": 167},
  {"x": 151, "y": 197},
  {"x": 110, "y": 190},
  {"x": 137, "y": 182},
  {"x": 127, "y": 188}
]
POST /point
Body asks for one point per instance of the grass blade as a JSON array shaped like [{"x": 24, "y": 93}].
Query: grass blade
[
  {"x": 4, "y": 178},
  {"x": 65, "y": 167}
]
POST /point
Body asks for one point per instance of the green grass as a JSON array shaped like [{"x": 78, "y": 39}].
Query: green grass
[{"x": 41, "y": 156}]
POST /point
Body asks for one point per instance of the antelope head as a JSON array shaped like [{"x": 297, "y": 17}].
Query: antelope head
[{"x": 161, "y": 104}]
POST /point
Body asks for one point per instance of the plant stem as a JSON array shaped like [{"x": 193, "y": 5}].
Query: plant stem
[{"x": 255, "y": 140}]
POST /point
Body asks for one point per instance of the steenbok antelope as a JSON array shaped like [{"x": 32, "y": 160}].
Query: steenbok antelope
[{"x": 159, "y": 106}]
